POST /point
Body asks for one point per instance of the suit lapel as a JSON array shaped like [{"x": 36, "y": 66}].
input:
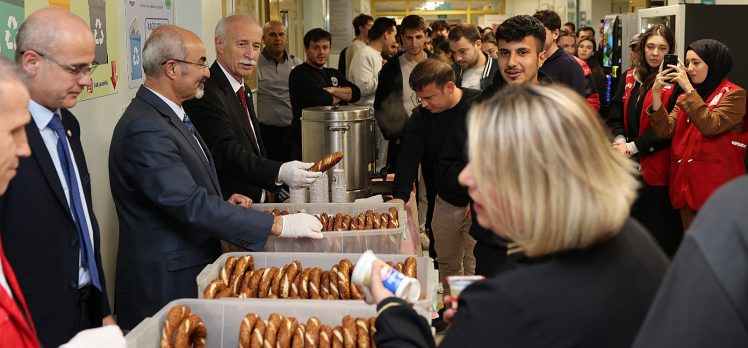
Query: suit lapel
[
  {"x": 204, "y": 155},
  {"x": 42, "y": 156},
  {"x": 236, "y": 107},
  {"x": 255, "y": 136}
]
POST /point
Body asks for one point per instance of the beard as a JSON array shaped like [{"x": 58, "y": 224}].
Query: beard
[{"x": 200, "y": 92}]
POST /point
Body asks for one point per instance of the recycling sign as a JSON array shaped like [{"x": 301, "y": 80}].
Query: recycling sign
[{"x": 11, "y": 16}]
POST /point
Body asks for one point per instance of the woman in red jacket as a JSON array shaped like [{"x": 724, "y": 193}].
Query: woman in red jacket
[
  {"x": 707, "y": 125},
  {"x": 635, "y": 138}
]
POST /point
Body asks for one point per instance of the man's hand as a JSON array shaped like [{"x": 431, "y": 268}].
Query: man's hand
[
  {"x": 242, "y": 200},
  {"x": 300, "y": 225},
  {"x": 296, "y": 175},
  {"x": 108, "y": 320}
]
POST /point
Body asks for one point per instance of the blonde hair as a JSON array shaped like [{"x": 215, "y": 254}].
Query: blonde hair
[{"x": 543, "y": 163}]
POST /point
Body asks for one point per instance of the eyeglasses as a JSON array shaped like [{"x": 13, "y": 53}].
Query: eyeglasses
[
  {"x": 201, "y": 65},
  {"x": 75, "y": 70}
]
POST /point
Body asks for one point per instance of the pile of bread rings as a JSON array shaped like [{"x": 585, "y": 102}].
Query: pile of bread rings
[
  {"x": 345, "y": 222},
  {"x": 287, "y": 332},
  {"x": 183, "y": 329},
  {"x": 239, "y": 278}
]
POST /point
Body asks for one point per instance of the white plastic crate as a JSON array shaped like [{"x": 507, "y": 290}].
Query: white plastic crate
[
  {"x": 426, "y": 274},
  {"x": 223, "y": 317},
  {"x": 385, "y": 241}
]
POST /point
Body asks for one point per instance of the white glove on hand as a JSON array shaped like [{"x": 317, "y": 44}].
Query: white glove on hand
[
  {"x": 295, "y": 174},
  {"x": 301, "y": 225}
]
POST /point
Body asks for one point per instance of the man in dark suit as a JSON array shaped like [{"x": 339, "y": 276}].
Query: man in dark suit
[
  {"x": 225, "y": 117},
  {"x": 16, "y": 327},
  {"x": 49, "y": 230},
  {"x": 165, "y": 188}
]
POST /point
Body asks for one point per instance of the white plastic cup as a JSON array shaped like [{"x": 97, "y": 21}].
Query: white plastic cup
[
  {"x": 319, "y": 191},
  {"x": 337, "y": 186},
  {"x": 298, "y": 195},
  {"x": 399, "y": 284},
  {"x": 459, "y": 283}
]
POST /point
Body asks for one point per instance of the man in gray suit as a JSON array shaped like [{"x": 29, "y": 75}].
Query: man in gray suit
[{"x": 171, "y": 214}]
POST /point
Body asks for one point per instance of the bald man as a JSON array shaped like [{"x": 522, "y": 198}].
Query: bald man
[
  {"x": 273, "y": 99},
  {"x": 171, "y": 214},
  {"x": 227, "y": 121},
  {"x": 49, "y": 229}
]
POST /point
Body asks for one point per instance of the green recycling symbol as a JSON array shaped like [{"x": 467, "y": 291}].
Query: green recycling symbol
[
  {"x": 98, "y": 30},
  {"x": 10, "y": 42}
]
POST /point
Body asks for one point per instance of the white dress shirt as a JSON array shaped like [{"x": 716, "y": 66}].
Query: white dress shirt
[{"x": 42, "y": 116}]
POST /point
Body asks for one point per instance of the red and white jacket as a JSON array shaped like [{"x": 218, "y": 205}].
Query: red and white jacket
[
  {"x": 654, "y": 167},
  {"x": 16, "y": 328},
  {"x": 702, "y": 164}
]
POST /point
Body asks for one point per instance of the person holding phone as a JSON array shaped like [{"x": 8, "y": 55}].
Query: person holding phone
[
  {"x": 707, "y": 125},
  {"x": 589, "y": 271},
  {"x": 634, "y": 138}
]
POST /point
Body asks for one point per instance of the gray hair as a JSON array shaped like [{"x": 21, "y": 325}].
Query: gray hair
[
  {"x": 163, "y": 44},
  {"x": 9, "y": 73},
  {"x": 221, "y": 25},
  {"x": 34, "y": 34}
]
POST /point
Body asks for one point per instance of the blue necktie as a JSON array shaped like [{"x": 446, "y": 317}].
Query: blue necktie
[
  {"x": 63, "y": 152},
  {"x": 188, "y": 124}
]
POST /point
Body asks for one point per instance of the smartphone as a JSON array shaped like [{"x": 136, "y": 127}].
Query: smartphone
[{"x": 670, "y": 59}]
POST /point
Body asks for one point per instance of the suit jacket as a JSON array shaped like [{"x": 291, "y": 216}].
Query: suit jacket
[
  {"x": 41, "y": 240},
  {"x": 171, "y": 213},
  {"x": 596, "y": 297},
  {"x": 241, "y": 164},
  {"x": 16, "y": 328}
]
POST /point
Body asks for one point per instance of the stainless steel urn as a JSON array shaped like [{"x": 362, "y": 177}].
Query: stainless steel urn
[{"x": 348, "y": 129}]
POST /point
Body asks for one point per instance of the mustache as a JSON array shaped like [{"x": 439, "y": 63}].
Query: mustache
[{"x": 251, "y": 62}]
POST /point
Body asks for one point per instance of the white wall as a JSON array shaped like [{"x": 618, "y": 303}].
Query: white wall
[{"x": 99, "y": 116}]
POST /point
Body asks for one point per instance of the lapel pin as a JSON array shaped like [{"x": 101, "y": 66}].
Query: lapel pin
[{"x": 70, "y": 134}]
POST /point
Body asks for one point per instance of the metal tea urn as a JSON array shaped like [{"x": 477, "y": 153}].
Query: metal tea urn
[{"x": 348, "y": 129}]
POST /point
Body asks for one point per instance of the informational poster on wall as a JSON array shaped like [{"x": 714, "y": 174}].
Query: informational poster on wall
[
  {"x": 101, "y": 18},
  {"x": 141, "y": 18}
]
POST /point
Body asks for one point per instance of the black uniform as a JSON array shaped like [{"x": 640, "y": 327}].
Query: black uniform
[{"x": 305, "y": 84}]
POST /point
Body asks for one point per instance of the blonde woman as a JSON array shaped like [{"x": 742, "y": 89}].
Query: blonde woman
[{"x": 543, "y": 175}]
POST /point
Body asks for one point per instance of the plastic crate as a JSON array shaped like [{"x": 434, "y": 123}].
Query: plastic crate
[
  {"x": 427, "y": 275},
  {"x": 385, "y": 241},
  {"x": 223, "y": 317}
]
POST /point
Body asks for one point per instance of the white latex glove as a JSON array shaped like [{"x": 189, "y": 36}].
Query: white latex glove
[
  {"x": 301, "y": 225},
  {"x": 295, "y": 174},
  {"x": 105, "y": 336}
]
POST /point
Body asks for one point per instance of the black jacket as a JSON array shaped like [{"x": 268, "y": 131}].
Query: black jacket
[
  {"x": 388, "y": 100},
  {"x": 241, "y": 165},
  {"x": 41, "y": 241},
  {"x": 596, "y": 297},
  {"x": 702, "y": 301},
  {"x": 563, "y": 68},
  {"x": 490, "y": 70}
]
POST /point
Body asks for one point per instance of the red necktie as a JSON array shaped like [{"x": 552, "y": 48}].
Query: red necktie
[{"x": 243, "y": 99}]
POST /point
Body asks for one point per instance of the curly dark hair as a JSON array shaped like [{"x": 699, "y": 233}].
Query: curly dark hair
[{"x": 518, "y": 27}]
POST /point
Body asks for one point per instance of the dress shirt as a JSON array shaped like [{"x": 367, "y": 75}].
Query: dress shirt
[
  {"x": 4, "y": 282},
  {"x": 179, "y": 110},
  {"x": 42, "y": 116}
]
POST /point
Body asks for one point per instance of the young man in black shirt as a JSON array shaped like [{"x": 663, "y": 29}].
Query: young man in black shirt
[
  {"x": 441, "y": 104},
  {"x": 311, "y": 84},
  {"x": 559, "y": 65},
  {"x": 521, "y": 53}
]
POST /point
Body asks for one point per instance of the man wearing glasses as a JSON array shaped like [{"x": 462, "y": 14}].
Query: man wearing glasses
[
  {"x": 162, "y": 174},
  {"x": 49, "y": 230}
]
